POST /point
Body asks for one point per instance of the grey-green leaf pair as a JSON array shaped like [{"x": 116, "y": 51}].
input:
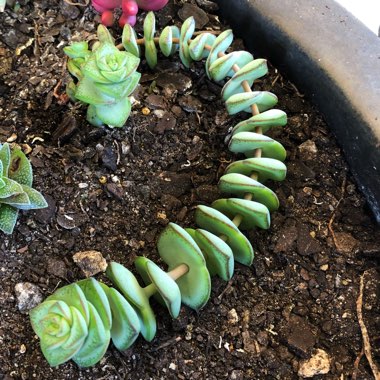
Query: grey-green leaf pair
[{"x": 16, "y": 192}]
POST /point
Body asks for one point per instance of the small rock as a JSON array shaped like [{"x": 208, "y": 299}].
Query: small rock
[
  {"x": 66, "y": 221},
  {"x": 250, "y": 345},
  {"x": 181, "y": 82},
  {"x": 57, "y": 268},
  {"x": 207, "y": 193},
  {"x": 287, "y": 236},
  {"x": 306, "y": 245},
  {"x": 190, "y": 103},
  {"x": 170, "y": 202},
  {"x": 167, "y": 122},
  {"x": 44, "y": 215},
  {"x": 237, "y": 375},
  {"x": 318, "y": 364},
  {"x": 345, "y": 243},
  {"x": 91, "y": 262},
  {"x": 109, "y": 158},
  {"x": 65, "y": 129},
  {"x": 189, "y": 10},
  {"x": 207, "y": 5},
  {"x": 116, "y": 190},
  {"x": 301, "y": 336},
  {"x": 233, "y": 318},
  {"x": 155, "y": 101},
  {"x": 175, "y": 184},
  {"x": 69, "y": 11},
  {"x": 28, "y": 296},
  {"x": 308, "y": 150},
  {"x": 173, "y": 366}
]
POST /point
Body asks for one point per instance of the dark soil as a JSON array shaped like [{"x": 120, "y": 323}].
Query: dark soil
[{"x": 115, "y": 190}]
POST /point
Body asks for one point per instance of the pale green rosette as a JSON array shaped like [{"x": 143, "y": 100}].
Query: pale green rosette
[{"x": 106, "y": 77}]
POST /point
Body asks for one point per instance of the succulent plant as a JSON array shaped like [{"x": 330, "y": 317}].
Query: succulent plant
[
  {"x": 105, "y": 78},
  {"x": 16, "y": 192},
  {"x": 129, "y": 9},
  {"x": 79, "y": 320}
]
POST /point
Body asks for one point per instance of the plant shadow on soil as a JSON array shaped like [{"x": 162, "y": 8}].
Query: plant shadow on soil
[{"x": 115, "y": 190}]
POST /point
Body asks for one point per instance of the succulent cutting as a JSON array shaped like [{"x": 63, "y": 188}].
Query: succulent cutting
[
  {"x": 16, "y": 192},
  {"x": 78, "y": 321},
  {"x": 105, "y": 78}
]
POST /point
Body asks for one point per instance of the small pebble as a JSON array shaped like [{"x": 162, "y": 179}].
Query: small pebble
[
  {"x": 91, "y": 262},
  {"x": 318, "y": 364},
  {"x": 233, "y": 318},
  {"x": 28, "y": 296}
]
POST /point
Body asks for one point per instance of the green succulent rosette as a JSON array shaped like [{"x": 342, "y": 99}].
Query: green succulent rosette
[
  {"x": 16, "y": 192},
  {"x": 106, "y": 77}
]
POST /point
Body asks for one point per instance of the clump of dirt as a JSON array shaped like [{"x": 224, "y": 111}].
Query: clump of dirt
[{"x": 114, "y": 190}]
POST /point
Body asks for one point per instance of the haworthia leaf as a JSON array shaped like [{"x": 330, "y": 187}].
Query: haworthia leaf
[
  {"x": 11, "y": 188},
  {"x": 18, "y": 200},
  {"x": 36, "y": 200},
  {"x": 20, "y": 169},
  {"x": 5, "y": 158},
  {"x": 8, "y": 218}
]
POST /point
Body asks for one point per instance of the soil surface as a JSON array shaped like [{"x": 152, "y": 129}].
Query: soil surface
[{"x": 114, "y": 190}]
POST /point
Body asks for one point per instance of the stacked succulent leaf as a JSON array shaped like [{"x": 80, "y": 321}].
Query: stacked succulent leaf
[
  {"x": 16, "y": 193},
  {"x": 79, "y": 320},
  {"x": 106, "y": 77}
]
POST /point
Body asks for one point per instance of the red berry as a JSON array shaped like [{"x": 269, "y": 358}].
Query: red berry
[
  {"x": 129, "y": 7},
  {"x": 127, "y": 19},
  {"x": 107, "y": 18}
]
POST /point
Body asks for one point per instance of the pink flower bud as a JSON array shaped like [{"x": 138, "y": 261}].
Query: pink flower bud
[
  {"x": 127, "y": 19},
  {"x": 129, "y": 7},
  {"x": 104, "y": 5},
  {"x": 107, "y": 18}
]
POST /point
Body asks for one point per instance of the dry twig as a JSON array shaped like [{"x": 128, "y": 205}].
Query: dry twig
[
  {"x": 343, "y": 187},
  {"x": 366, "y": 342}
]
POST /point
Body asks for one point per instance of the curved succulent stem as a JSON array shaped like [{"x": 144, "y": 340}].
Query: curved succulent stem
[
  {"x": 175, "y": 274},
  {"x": 192, "y": 255},
  {"x": 178, "y": 272}
]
